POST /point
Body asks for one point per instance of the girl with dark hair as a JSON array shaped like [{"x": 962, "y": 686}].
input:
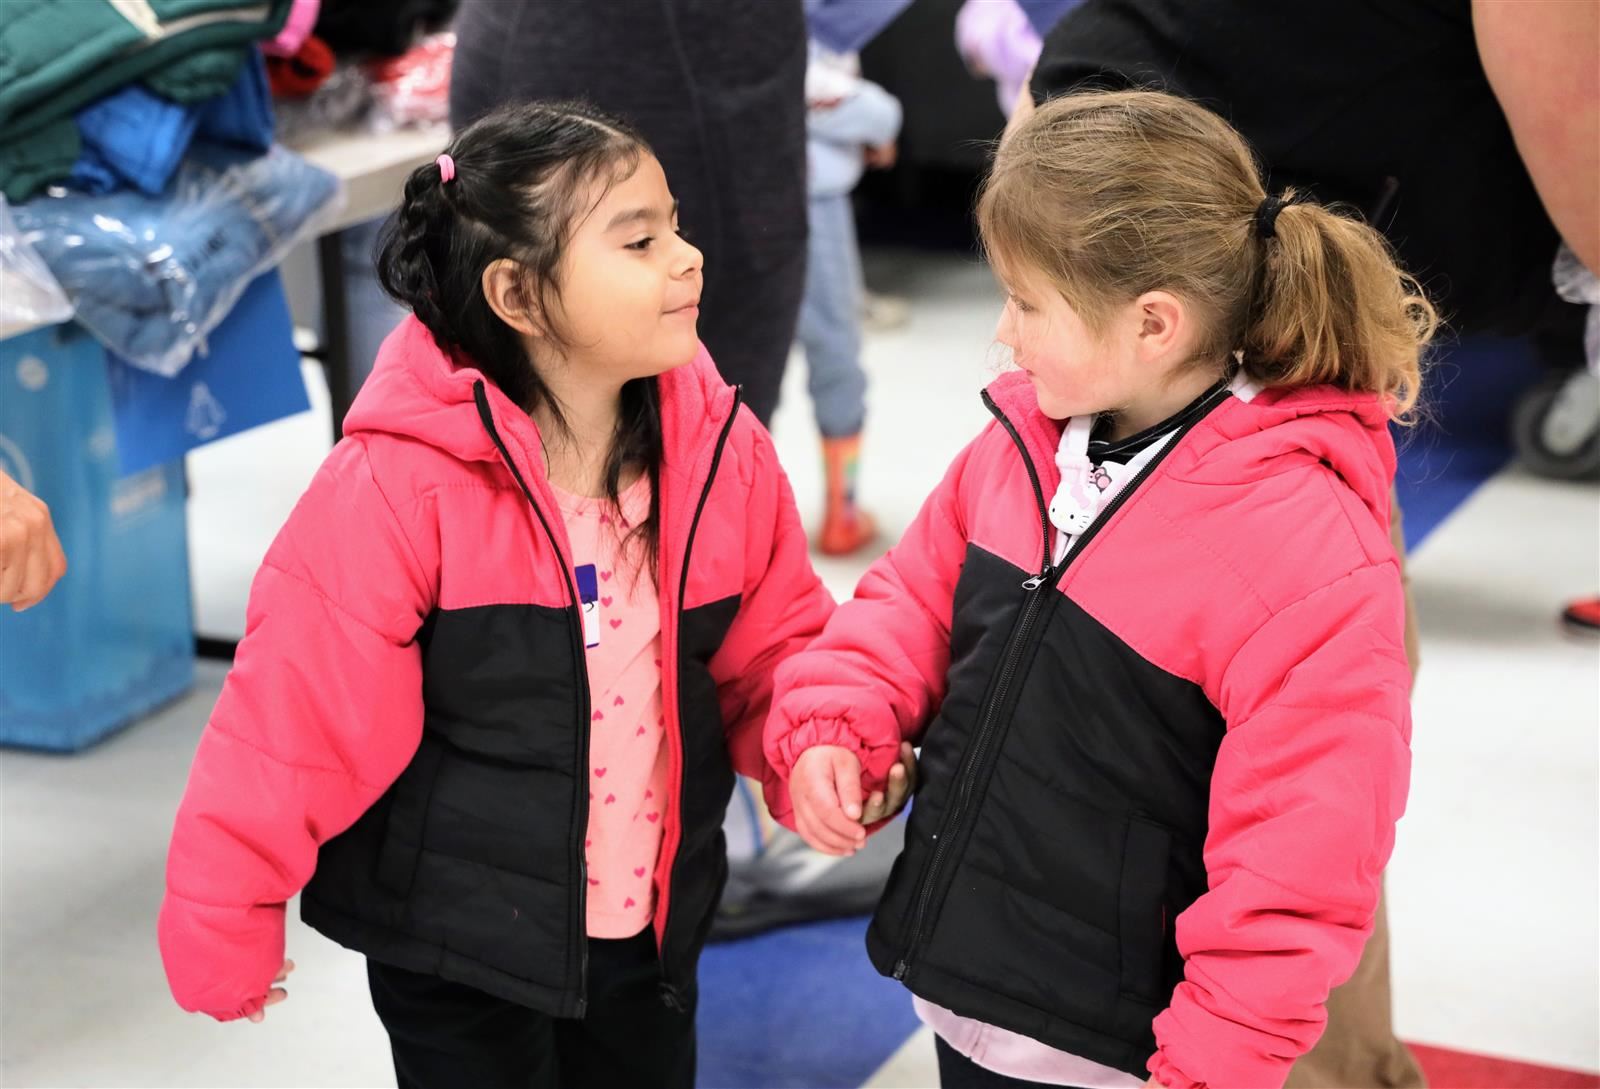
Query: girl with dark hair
[{"x": 503, "y": 661}]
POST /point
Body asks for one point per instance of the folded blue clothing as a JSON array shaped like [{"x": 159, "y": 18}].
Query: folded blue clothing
[
  {"x": 242, "y": 117},
  {"x": 136, "y": 138},
  {"x": 92, "y": 174},
  {"x": 132, "y": 138},
  {"x": 151, "y": 276}
]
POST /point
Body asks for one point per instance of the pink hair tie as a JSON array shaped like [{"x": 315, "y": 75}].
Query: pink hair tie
[{"x": 447, "y": 168}]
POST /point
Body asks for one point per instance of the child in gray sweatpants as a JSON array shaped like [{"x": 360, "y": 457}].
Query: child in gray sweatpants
[{"x": 850, "y": 123}]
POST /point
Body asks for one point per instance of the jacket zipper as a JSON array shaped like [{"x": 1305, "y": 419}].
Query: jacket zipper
[
  {"x": 1036, "y": 587},
  {"x": 578, "y": 904},
  {"x": 1082, "y": 542},
  {"x": 669, "y": 990}
]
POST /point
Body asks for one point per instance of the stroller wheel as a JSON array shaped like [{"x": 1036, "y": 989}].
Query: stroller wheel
[{"x": 1555, "y": 427}]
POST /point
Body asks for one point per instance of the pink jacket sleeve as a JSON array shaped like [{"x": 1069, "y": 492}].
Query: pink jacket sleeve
[
  {"x": 877, "y": 672},
  {"x": 1309, "y": 782},
  {"x": 783, "y": 608},
  {"x": 319, "y": 715}
]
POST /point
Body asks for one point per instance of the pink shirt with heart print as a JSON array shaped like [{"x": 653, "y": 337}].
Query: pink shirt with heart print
[{"x": 627, "y": 753}]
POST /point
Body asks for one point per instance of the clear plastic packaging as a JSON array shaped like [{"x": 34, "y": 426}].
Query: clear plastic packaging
[
  {"x": 150, "y": 277},
  {"x": 29, "y": 294},
  {"x": 344, "y": 101}
]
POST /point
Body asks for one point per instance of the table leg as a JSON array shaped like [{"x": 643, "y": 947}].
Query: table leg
[{"x": 335, "y": 327}]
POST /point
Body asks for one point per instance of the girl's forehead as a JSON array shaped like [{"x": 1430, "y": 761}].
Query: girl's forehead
[
  {"x": 628, "y": 182},
  {"x": 623, "y": 186}
]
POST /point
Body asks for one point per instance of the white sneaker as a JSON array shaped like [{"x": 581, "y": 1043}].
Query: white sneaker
[{"x": 882, "y": 313}]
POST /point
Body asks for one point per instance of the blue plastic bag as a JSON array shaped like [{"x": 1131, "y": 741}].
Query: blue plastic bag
[{"x": 249, "y": 375}]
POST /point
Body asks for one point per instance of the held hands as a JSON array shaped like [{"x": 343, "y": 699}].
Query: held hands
[
  {"x": 826, "y": 785},
  {"x": 829, "y": 811}
]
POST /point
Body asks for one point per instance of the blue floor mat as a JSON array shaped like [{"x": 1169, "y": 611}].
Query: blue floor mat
[
  {"x": 798, "y": 1007},
  {"x": 1469, "y": 392}
]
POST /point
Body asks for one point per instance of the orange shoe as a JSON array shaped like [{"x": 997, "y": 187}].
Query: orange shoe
[{"x": 846, "y": 528}]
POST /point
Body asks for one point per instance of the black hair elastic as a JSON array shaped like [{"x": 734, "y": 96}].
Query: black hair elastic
[{"x": 1267, "y": 213}]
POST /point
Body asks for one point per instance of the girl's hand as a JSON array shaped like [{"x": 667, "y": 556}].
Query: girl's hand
[
  {"x": 276, "y": 995},
  {"x": 902, "y": 784},
  {"x": 826, "y": 788}
]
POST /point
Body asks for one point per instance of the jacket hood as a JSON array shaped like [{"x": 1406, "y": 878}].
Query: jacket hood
[{"x": 418, "y": 391}]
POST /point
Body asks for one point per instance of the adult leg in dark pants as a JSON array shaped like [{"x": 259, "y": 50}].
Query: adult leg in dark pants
[
  {"x": 445, "y": 1034},
  {"x": 747, "y": 321}
]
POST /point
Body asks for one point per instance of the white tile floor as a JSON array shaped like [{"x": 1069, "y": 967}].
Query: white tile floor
[
  {"x": 1495, "y": 884},
  {"x": 1493, "y": 889}
]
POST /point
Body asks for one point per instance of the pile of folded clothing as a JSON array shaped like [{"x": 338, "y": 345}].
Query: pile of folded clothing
[
  {"x": 58, "y": 57},
  {"x": 138, "y": 137}
]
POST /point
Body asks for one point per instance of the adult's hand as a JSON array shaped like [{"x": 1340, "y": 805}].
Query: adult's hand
[{"x": 31, "y": 560}]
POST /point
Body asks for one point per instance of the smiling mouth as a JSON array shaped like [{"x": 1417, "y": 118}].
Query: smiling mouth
[{"x": 686, "y": 308}]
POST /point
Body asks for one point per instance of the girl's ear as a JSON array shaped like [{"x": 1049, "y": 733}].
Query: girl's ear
[
  {"x": 1163, "y": 324},
  {"x": 506, "y": 287}
]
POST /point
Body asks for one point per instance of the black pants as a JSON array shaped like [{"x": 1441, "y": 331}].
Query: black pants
[
  {"x": 449, "y": 1035},
  {"x": 956, "y": 1071}
]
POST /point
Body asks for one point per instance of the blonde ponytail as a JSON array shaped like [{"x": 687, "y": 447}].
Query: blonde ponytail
[{"x": 1332, "y": 308}]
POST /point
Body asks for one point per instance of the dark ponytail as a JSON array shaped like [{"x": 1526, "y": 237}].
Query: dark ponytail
[{"x": 520, "y": 174}]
